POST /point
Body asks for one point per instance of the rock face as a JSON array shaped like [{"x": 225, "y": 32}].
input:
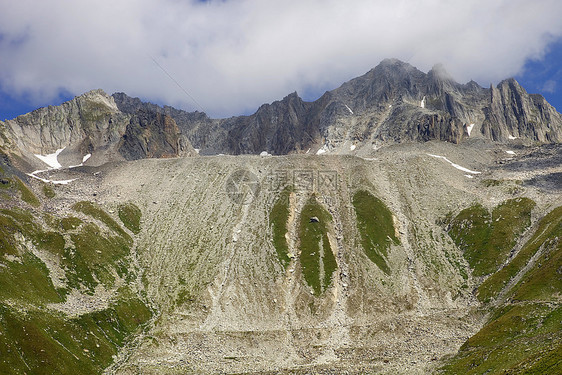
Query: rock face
[
  {"x": 93, "y": 124},
  {"x": 392, "y": 103},
  {"x": 512, "y": 113}
]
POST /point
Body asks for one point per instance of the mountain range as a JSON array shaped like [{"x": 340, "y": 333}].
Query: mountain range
[{"x": 402, "y": 223}]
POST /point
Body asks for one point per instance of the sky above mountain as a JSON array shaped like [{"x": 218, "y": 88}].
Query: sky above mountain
[{"x": 226, "y": 57}]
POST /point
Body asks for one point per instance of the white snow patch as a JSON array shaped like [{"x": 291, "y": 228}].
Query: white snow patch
[
  {"x": 265, "y": 153},
  {"x": 511, "y": 137},
  {"x": 307, "y": 151},
  {"x": 322, "y": 150},
  {"x": 455, "y": 165},
  {"x": 86, "y": 157},
  {"x": 197, "y": 150},
  {"x": 60, "y": 182},
  {"x": 468, "y": 176},
  {"x": 51, "y": 159},
  {"x": 510, "y": 152},
  {"x": 469, "y": 129},
  {"x": 349, "y": 109},
  {"x": 390, "y": 106},
  {"x": 422, "y": 103},
  {"x": 352, "y": 147}
]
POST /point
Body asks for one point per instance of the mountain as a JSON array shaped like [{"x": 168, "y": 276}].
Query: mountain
[
  {"x": 92, "y": 124},
  {"x": 392, "y": 103},
  {"x": 413, "y": 243}
]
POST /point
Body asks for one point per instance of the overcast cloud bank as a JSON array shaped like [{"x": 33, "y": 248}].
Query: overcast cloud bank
[{"x": 232, "y": 56}]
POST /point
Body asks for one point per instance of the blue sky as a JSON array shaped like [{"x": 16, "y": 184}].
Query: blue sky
[{"x": 229, "y": 56}]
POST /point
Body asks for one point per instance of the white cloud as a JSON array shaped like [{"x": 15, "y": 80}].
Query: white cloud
[
  {"x": 233, "y": 55},
  {"x": 549, "y": 86}
]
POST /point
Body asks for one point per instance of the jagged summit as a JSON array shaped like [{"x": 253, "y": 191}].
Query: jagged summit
[{"x": 392, "y": 103}]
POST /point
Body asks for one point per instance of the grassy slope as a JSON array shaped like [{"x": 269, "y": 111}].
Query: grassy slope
[
  {"x": 317, "y": 269},
  {"x": 130, "y": 215},
  {"x": 376, "y": 227},
  {"x": 278, "y": 218},
  {"x": 485, "y": 238},
  {"x": 524, "y": 336},
  {"x": 36, "y": 339}
]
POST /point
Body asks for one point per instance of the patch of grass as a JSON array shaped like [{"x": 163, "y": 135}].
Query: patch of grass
[
  {"x": 518, "y": 339},
  {"x": 278, "y": 218},
  {"x": 491, "y": 182},
  {"x": 48, "y": 343},
  {"x": 130, "y": 215},
  {"x": 544, "y": 281},
  {"x": 12, "y": 223},
  {"x": 549, "y": 228},
  {"x": 26, "y": 194},
  {"x": 376, "y": 227},
  {"x": 51, "y": 241},
  {"x": 27, "y": 280},
  {"x": 96, "y": 212},
  {"x": 485, "y": 238},
  {"x": 317, "y": 260},
  {"x": 70, "y": 223},
  {"x": 48, "y": 191},
  {"x": 95, "y": 255}
]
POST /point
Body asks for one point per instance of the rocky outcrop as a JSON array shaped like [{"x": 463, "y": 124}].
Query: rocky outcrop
[
  {"x": 93, "y": 124},
  {"x": 153, "y": 135},
  {"x": 392, "y": 103},
  {"x": 512, "y": 113}
]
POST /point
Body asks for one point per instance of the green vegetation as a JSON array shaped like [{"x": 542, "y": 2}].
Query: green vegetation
[
  {"x": 95, "y": 257},
  {"x": 69, "y": 223},
  {"x": 96, "y": 212},
  {"x": 278, "y": 218},
  {"x": 36, "y": 339},
  {"x": 518, "y": 339},
  {"x": 48, "y": 191},
  {"x": 525, "y": 334},
  {"x": 485, "y": 238},
  {"x": 26, "y": 194},
  {"x": 49, "y": 343},
  {"x": 12, "y": 224},
  {"x": 317, "y": 260},
  {"x": 549, "y": 228},
  {"x": 27, "y": 279},
  {"x": 130, "y": 215},
  {"x": 376, "y": 227}
]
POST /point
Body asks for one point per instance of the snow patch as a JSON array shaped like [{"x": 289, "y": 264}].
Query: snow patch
[
  {"x": 352, "y": 147},
  {"x": 349, "y": 109},
  {"x": 51, "y": 159},
  {"x": 511, "y": 137},
  {"x": 455, "y": 165},
  {"x": 59, "y": 182},
  {"x": 510, "y": 152},
  {"x": 322, "y": 150},
  {"x": 265, "y": 153},
  {"x": 422, "y": 103},
  {"x": 469, "y": 129},
  {"x": 468, "y": 176},
  {"x": 86, "y": 157}
]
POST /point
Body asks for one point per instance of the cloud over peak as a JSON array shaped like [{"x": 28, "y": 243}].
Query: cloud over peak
[{"x": 231, "y": 56}]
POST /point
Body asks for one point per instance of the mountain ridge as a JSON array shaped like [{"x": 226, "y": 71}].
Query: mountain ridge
[{"x": 392, "y": 103}]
